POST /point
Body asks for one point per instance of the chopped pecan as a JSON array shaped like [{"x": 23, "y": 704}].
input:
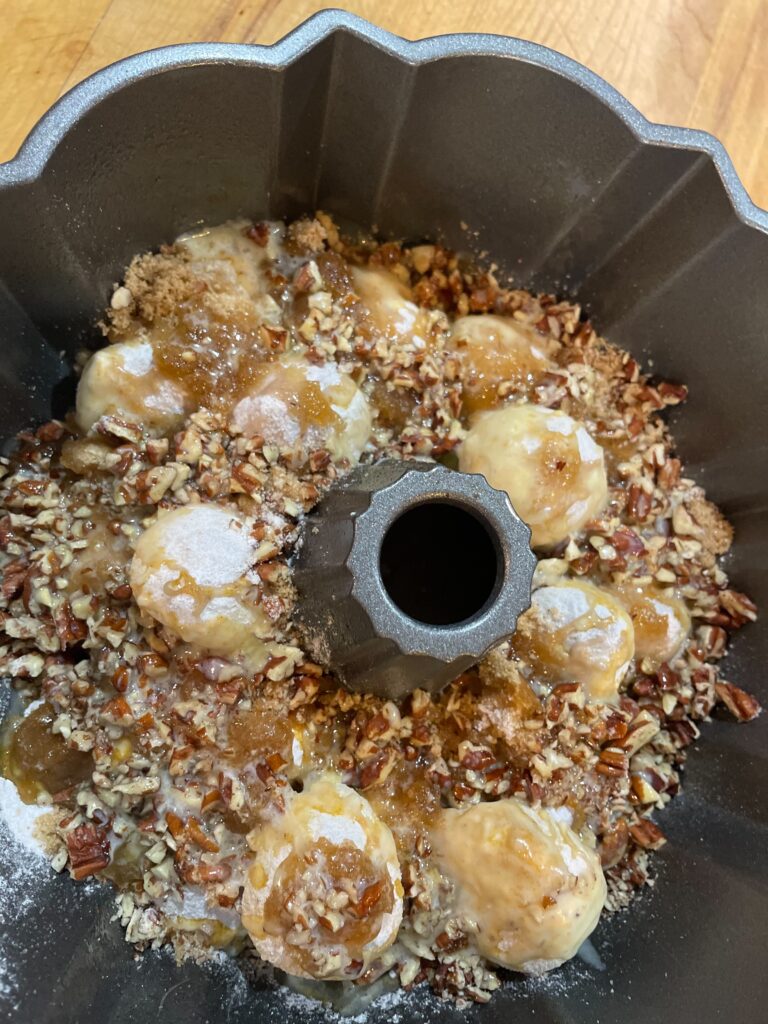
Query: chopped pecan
[
  {"x": 121, "y": 430},
  {"x": 307, "y": 277},
  {"x": 639, "y": 503},
  {"x": 672, "y": 394},
  {"x": 684, "y": 732},
  {"x": 615, "y": 728},
  {"x": 643, "y": 791},
  {"x": 69, "y": 629},
  {"x": 258, "y": 232},
  {"x": 669, "y": 474},
  {"x": 377, "y": 726},
  {"x": 51, "y": 431},
  {"x": 89, "y": 850},
  {"x": 584, "y": 563},
  {"x": 475, "y": 757},
  {"x": 214, "y": 872},
  {"x": 738, "y": 607},
  {"x": 712, "y": 641},
  {"x": 741, "y": 704},
  {"x": 667, "y": 678},
  {"x": 157, "y": 449},
  {"x": 627, "y": 542},
  {"x": 613, "y": 843},
  {"x": 612, "y": 762},
  {"x": 275, "y": 338},
  {"x": 247, "y": 476},
  {"x": 641, "y": 731},
  {"x": 211, "y": 798},
  {"x": 369, "y": 897},
  {"x": 14, "y": 575},
  {"x": 648, "y": 835},
  {"x": 6, "y": 532},
  {"x": 451, "y": 943},
  {"x": 377, "y": 768},
  {"x": 644, "y": 686},
  {"x": 152, "y": 484},
  {"x": 319, "y": 460},
  {"x": 175, "y": 825},
  {"x": 200, "y": 837},
  {"x": 420, "y": 702}
]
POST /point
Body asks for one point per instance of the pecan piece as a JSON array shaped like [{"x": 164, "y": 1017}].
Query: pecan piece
[
  {"x": 121, "y": 430},
  {"x": 258, "y": 233},
  {"x": 712, "y": 641},
  {"x": 475, "y": 757},
  {"x": 319, "y": 460},
  {"x": 201, "y": 838},
  {"x": 14, "y": 575},
  {"x": 612, "y": 762},
  {"x": 88, "y": 847},
  {"x": 672, "y": 394},
  {"x": 742, "y": 705},
  {"x": 613, "y": 844},
  {"x": 584, "y": 564},
  {"x": 377, "y": 768},
  {"x": 213, "y": 872},
  {"x": 738, "y": 606},
  {"x": 683, "y": 732},
  {"x": 669, "y": 473},
  {"x": 368, "y": 899},
  {"x": 641, "y": 731},
  {"x": 648, "y": 835},
  {"x": 70, "y": 630},
  {"x": 639, "y": 503},
  {"x": 627, "y": 542}
]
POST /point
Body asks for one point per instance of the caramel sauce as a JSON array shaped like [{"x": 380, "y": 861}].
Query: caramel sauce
[
  {"x": 92, "y": 566},
  {"x": 485, "y": 368},
  {"x": 506, "y": 692},
  {"x": 39, "y": 762},
  {"x": 407, "y": 802},
  {"x": 124, "y": 869},
  {"x": 394, "y": 405},
  {"x": 336, "y": 274},
  {"x": 325, "y": 869},
  {"x": 211, "y": 357},
  {"x": 304, "y": 398},
  {"x": 241, "y": 822},
  {"x": 654, "y": 633},
  {"x": 650, "y": 627},
  {"x": 493, "y": 351},
  {"x": 617, "y": 450},
  {"x": 255, "y": 735},
  {"x": 558, "y": 472},
  {"x": 314, "y": 409},
  {"x": 546, "y": 649},
  {"x": 382, "y": 307},
  {"x": 325, "y": 741},
  {"x": 185, "y": 583}
]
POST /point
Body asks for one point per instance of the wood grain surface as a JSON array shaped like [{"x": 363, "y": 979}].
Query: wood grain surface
[{"x": 701, "y": 63}]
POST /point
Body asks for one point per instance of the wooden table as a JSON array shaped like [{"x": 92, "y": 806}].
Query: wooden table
[{"x": 702, "y": 63}]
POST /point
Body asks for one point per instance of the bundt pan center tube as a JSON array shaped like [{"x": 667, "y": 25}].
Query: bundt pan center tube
[
  {"x": 568, "y": 188},
  {"x": 408, "y": 574}
]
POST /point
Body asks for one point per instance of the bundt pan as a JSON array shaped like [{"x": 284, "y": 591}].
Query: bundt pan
[{"x": 569, "y": 189}]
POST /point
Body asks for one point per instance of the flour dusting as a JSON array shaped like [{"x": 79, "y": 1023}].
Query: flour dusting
[{"x": 23, "y": 866}]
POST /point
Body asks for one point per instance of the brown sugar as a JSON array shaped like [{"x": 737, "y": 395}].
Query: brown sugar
[
  {"x": 717, "y": 532},
  {"x": 158, "y": 283},
  {"x": 308, "y": 235}
]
